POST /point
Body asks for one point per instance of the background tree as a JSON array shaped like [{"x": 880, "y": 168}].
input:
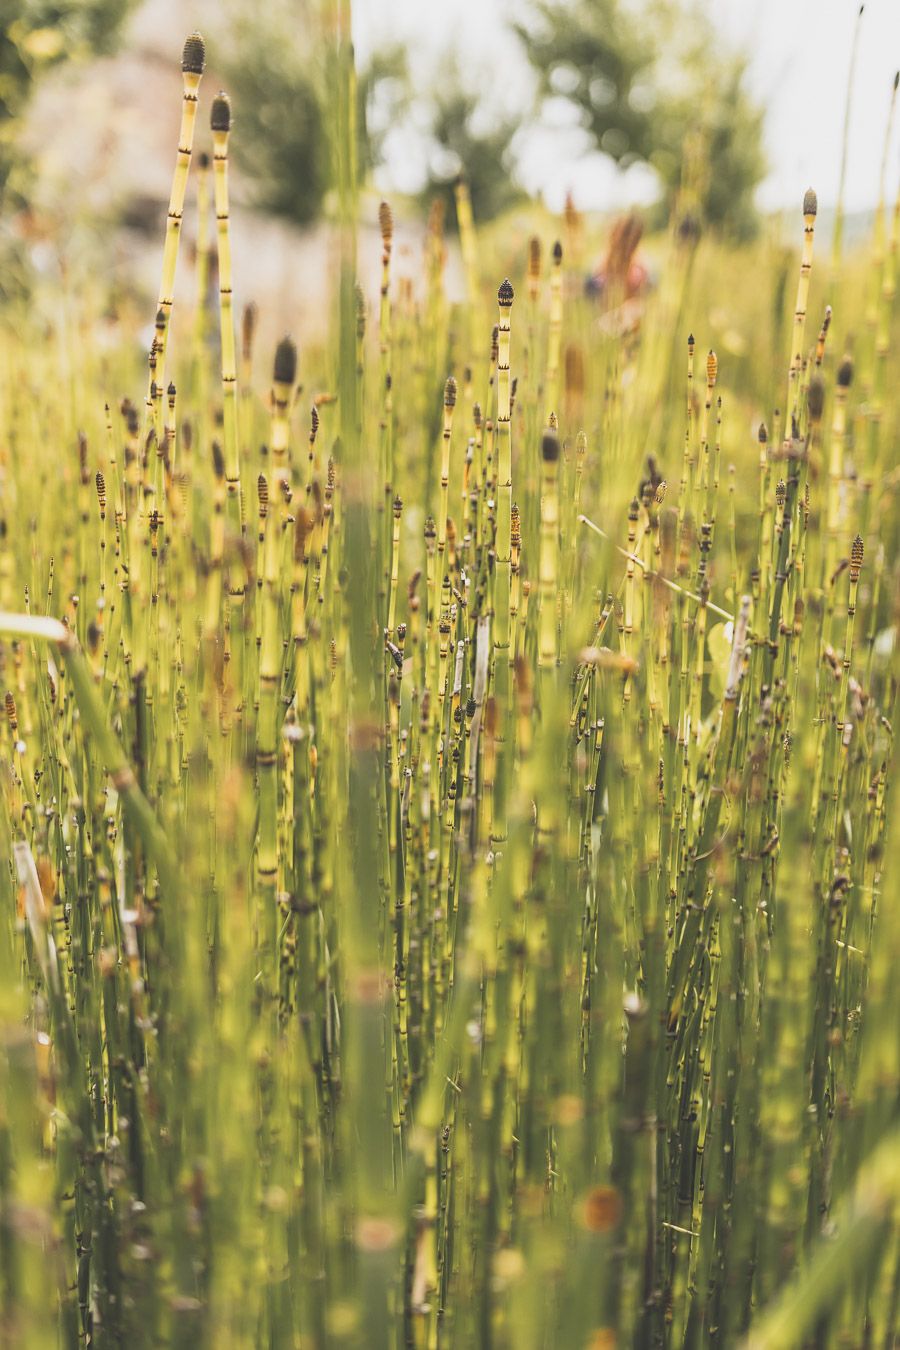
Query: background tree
[
  {"x": 280, "y": 142},
  {"x": 272, "y": 61},
  {"x": 464, "y": 139},
  {"x": 282, "y": 96},
  {"x": 648, "y": 78},
  {"x": 34, "y": 36}
]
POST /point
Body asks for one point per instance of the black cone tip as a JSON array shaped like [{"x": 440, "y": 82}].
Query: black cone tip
[
  {"x": 220, "y": 115},
  {"x": 193, "y": 55},
  {"x": 285, "y": 361},
  {"x": 550, "y": 446}
]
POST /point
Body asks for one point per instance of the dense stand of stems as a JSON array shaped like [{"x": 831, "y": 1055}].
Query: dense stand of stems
[{"x": 524, "y": 972}]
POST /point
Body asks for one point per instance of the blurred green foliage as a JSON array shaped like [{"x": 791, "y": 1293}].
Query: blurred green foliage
[
  {"x": 272, "y": 62},
  {"x": 648, "y": 81},
  {"x": 459, "y": 145},
  {"x": 652, "y": 84},
  {"x": 276, "y": 87},
  {"x": 279, "y": 138},
  {"x": 36, "y": 35},
  {"x": 284, "y": 109}
]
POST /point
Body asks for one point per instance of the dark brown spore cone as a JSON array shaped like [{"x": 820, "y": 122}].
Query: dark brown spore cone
[
  {"x": 450, "y": 393},
  {"x": 557, "y": 252},
  {"x": 550, "y": 446},
  {"x": 505, "y": 294},
  {"x": 815, "y": 399},
  {"x": 856, "y": 557},
  {"x": 763, "y": 433},
  {"x": 810, "y": 203},
  {"x": 845, "y": 373},
  {"x": 303, "y": 523},
  {"x": 574, "y": 362},
  {"x": 218, "y": 460},
  {"x": 220, "y": 115},
  {"x": 203, "y": 160},
  {"x": 193, "y": 55},
  {"x": 249, "y": 319},
  {"x": 386, "y": 221},
  {"x": 285, "y": 370}
]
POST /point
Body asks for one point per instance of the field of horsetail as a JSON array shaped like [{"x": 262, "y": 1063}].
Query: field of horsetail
[{"x": 446, "y": 801}]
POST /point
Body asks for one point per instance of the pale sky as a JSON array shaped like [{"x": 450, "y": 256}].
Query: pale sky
[{"x": 800, "y": 52}]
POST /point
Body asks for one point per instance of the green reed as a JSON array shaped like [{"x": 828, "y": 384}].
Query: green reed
[{"x": 453, "y": 907}]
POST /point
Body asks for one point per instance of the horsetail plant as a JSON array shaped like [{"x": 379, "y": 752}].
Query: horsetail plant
[
  {"x": 220, "y": 124},
  {"x": 519, "y": 969},
  {"x": 193, "y": 64}
]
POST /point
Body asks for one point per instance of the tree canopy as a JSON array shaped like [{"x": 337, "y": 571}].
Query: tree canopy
[
  {"x": 42, "y": 34},
  {"x": 483, "y": 155},
  {"x": 650, "y": 79}
]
